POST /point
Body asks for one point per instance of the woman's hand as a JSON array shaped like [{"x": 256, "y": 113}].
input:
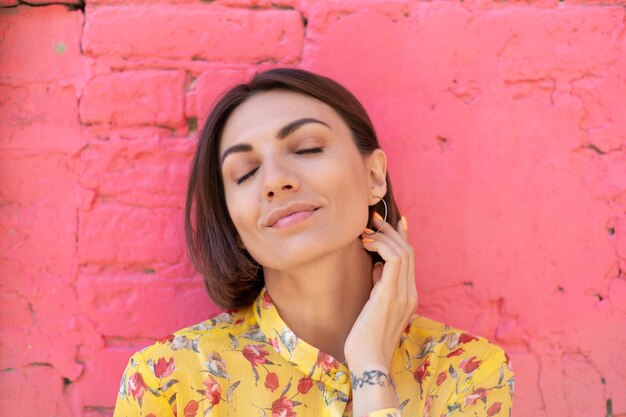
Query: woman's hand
[{"x": 377, "y": 330}]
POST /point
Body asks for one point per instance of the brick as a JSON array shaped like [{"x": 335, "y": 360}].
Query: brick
[
  {"x": 592, "y": 403},
  {"x": 141, "y": 2},
  {"x": 112, "y": 233},
  {"x": 134, "y": 98},
  {"x": 99, "y": 384},
  {"x": 34, "y": 391},
  {"x": 40, "y": 117},
  {"x": 143, "y": 171},
  {"x": 210, "y": 85},
  {"x": 39, "y": 213},
  {"x": 52, "y": 186},
  {"x": 604, "y": 175},
  {"x": 194, "y": 32},
  {"x": 41, "y": 44},
  {"x": 50, "y": 304},
  {"x": 258, "y": 3},
  {"x": 620, "y": 233},
  {"x": 230, "y": 3},
  {"x": 15, "y": 311},
  {"x": 601, "y": 97},
  {"x": 527, "y": 373},
  {"x": 322, "y": 16},
  {"x": 141, "y": 305},
  {"x": 35, "y": 103},
  {"x": 47, "y": 2},
  {"x": 53, "y": 307}
]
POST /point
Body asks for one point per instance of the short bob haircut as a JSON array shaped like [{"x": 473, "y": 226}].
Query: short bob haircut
[{"x": 231, "y": 276}]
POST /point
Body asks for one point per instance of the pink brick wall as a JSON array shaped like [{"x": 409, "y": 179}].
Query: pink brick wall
[{"x": 504, "y": 122}]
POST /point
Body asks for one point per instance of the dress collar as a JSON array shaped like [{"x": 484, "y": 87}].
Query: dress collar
[{"x": 311, "y": 361}]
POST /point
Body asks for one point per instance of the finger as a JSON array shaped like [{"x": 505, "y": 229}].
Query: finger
[
  {"x": 407, "y": 279},
  {"x": 410, "y": 281},
  {"x": 392, "y": 260},
  {"x": 388, "y": 230},
  {"x": 390, "y": 251},
  {"x": 392, "y": 281}
]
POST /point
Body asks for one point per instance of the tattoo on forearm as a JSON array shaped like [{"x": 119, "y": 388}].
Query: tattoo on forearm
[{"x": 373, "y": 377}]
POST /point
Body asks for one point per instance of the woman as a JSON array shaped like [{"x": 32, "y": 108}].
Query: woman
[{"x": 298, "y": 237}]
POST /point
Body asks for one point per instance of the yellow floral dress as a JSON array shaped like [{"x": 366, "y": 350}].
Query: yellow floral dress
[{"x": 247, "y": 362}]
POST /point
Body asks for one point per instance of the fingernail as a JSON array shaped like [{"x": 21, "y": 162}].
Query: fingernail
[
  {"x": 378, "y": 216},
  {"x": 368, "y": 230},
  {"x": 405, "y": 224},
  {"x": 367, "y": 240}
]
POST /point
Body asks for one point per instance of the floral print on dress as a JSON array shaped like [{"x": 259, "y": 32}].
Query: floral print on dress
[{"x": 248, "y": 362}]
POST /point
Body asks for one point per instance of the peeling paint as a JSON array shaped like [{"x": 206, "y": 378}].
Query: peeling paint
[{"x": 504, "y": 122}]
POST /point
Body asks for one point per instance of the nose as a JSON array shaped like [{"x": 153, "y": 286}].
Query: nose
[{"x": 278, "y": 178}]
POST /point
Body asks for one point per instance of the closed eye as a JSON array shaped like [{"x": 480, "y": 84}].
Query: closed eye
[
  {"x": 300, "y": 152},
  {"x": 245, "y": 177},
  {"x": 311, "y": 150}
]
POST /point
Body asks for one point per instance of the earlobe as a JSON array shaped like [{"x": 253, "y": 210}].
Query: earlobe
[{"x": 377, "y": 169}]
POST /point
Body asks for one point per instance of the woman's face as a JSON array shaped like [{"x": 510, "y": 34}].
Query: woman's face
[{"x": 315, "y": 163}]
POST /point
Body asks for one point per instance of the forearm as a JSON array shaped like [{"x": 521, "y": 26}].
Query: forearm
[{"x": 372, "y": 389}]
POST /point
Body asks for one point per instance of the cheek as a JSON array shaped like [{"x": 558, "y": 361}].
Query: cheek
[
  {"x": 242, "y": 212},
  {"x": 347, "y": 183}
]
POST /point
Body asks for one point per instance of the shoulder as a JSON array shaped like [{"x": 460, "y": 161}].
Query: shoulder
[
  {"x": 458, "y": 370},
  {"x": 452, "y": 349},
  {"x": 158, "y": 369},
  {"x": 190, "y": 345},
  {"x": 214, "y": 332}
]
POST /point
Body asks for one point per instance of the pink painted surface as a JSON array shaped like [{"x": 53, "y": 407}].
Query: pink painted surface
[{"x": 504, "y": 123}]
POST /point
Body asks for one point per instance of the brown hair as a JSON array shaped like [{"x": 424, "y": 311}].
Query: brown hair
[{"x": 231, "y": 276}]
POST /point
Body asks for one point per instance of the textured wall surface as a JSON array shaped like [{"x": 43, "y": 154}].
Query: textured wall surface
[{"x": 505, "y": 127}]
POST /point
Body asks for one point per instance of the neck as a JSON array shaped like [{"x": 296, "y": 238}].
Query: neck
[{"x": 321, "y": 300}]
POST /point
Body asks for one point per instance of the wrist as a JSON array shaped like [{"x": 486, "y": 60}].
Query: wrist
[
  {"x": 373, "y": 375},
  {"x": 372, "y": 389}
]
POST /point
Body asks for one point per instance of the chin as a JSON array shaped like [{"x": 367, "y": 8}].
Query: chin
[{"x": 298, "y": 250}]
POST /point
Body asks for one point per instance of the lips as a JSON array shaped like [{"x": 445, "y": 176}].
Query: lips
[{"x": 278, "y": 214}]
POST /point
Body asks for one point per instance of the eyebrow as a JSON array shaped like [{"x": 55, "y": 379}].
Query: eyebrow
[{"x": 282, "y": 133}]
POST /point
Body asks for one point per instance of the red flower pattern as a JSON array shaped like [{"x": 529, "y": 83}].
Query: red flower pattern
[
  {"x": 274, "y": 342},
  {"x": 305, "y": 384},
  {"x": 283, "y": 407},
  {"x": 441, "y": 377},
  {"x": 326, "y": 361},
  {"x": 136, "y": 385},
  {"x": 466, "y": 338},
  {"x": 271, "y": 381},
  {"x": 166, "y": 339},
  {"x": 446, "y": 356},
  {"x": 456, "y": 352},
  {"x": 213, "y": 390},
  {"x": 469, "y": 365},
  {"x": 476, "y": 395},
  {"x": 191, "y": 408},
  {"x": 422, "y": 372},
  {"x": 427, "y": 405},
  {"x": 494, "y": 409},
  {"x": 266, "y": 301},
  {"x": 163, "y": 369},
  {"x": 255, "y": 354}
]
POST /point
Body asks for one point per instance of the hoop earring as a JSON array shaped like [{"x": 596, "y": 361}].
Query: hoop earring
[{"x": 384, "y": 219}]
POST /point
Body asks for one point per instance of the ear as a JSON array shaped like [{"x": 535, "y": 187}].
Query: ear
[{"x": 376, "y": 165}]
